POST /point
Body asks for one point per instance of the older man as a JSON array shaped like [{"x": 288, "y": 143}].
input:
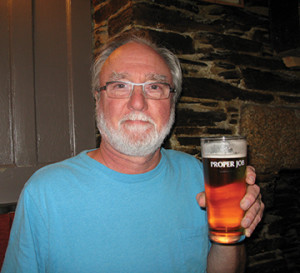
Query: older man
[{"x": 128, "y": 206}]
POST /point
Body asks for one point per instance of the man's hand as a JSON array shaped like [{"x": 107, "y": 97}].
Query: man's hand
[{"x": 251, "y": 203}]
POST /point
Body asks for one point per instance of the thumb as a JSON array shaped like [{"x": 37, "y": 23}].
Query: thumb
[{"x": 200, "y": 197}]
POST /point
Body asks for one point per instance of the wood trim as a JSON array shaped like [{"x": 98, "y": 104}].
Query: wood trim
[
  {"x": 22, "y": 88},
  {"x": 6, "y": 151}
]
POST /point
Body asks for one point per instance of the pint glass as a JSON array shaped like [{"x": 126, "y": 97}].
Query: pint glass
[{"x": 224, "y": 163}]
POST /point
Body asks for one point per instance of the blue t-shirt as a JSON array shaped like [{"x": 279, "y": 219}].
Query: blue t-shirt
[{"x": 80, "y": 216}]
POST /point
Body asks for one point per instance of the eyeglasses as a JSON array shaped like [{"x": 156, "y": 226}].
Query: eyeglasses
[{"x": 124, "y": 89}]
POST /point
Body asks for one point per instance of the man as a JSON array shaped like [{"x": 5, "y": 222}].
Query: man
[{"x": 128, "y": 206}]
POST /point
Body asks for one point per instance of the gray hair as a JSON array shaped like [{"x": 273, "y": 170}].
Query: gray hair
[{"x": 170, "y": 59}]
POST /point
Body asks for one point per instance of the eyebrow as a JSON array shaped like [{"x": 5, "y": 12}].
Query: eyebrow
[
  {"x": 115, "y": 76},
  {"x": 156, "y": 77}
]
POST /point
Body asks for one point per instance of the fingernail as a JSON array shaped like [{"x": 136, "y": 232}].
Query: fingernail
[{"x": 247, "y": 233}]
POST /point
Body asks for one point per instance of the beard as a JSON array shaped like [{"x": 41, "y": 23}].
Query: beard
[{"x": 134, "y": 139}]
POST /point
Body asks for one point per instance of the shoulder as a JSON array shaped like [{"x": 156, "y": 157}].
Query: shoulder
[
  {"x": 57, "y": 168},
  {"x": 181, "y": 158},
  {"x": 178, "y": 155},
  {"x": 186, "y": 169},
  {"x": 56, "y": 173}
]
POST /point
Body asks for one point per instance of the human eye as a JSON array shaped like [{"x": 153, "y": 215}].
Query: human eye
[
  {"x": 155, "y": 87},
  {"x": 118, "y": 85},
  {"x": 118, "y": 89},
  {"x": 156, "y": 90}
]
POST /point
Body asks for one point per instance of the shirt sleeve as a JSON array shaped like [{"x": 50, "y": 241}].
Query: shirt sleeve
[{"x": 28, "y": 239}]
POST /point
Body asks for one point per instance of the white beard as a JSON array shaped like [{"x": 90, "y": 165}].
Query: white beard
[{"x": 134, "y": 140}]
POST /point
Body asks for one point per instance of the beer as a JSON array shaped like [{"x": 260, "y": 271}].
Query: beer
[
  {"x": 224, "y": 176},
  {"x": 224, "y": 188}
]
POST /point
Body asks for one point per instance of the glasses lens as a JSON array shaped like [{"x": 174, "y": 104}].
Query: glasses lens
[
  {"x": 154, "y": 90},
  {"x": 118, "y": 89},
  {"x": 157, "y": 90}
]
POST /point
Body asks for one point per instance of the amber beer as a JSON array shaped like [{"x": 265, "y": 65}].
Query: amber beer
[{"x": 224, "y": 162}]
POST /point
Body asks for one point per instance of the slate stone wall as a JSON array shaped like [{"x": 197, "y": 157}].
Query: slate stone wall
[{"x": 234, "y": 83}]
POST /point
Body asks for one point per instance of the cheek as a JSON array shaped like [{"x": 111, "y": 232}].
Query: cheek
[
  {"x": 163, "y": 114},
  {"x": 111, "y": 111}
]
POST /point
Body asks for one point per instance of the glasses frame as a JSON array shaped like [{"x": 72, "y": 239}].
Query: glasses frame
[{"x": 133, "y": 84}]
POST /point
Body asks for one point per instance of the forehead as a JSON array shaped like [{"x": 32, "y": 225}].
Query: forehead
[{"x": 135, "y": 60}]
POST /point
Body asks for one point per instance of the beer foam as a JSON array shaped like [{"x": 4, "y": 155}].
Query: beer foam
[
  {"x": 224, "y": 155},
  {"x": 219, "y": 149}
]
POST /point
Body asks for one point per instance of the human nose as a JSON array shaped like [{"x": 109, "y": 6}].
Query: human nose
[{"x": 137, "y": 100}]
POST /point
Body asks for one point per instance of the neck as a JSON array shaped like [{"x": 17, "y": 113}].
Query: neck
[{"x": 122, "y": 163}]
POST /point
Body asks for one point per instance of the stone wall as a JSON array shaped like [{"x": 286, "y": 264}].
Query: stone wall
[{"x": 234, "y": 83}]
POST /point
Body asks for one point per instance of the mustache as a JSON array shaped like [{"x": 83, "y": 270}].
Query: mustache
[{"x": 137, "y": 116}]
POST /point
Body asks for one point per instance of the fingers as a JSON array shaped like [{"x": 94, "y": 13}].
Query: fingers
[
  {"x": 250, "y": 197},
  {"x": 250, "y": 175},
  {"x": 200, "y": 197},
  {"x": 251, "y": 203},
  {"x": 253, "y": 216}
]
